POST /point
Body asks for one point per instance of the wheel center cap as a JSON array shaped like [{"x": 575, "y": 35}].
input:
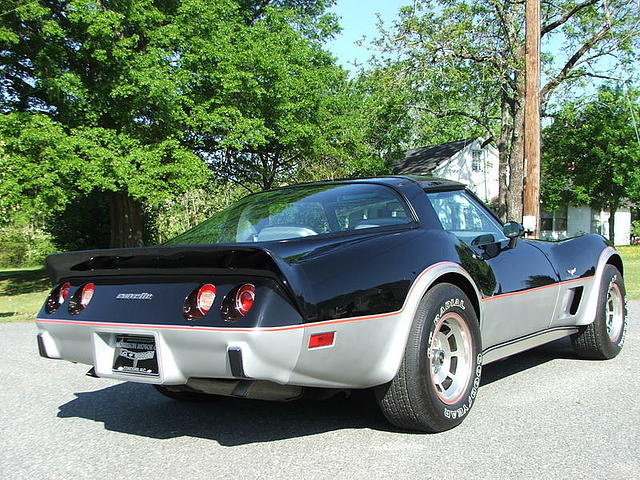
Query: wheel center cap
[{"x": 437, "y": 358}]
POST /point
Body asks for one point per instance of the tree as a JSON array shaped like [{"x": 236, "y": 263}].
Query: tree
[
  {"x": 465, "y": 60},
  {"x": 130, "y": 93},
  {"x": 98, "y": 72},
  {"x": 381, "y": 120},
  {"x": 592, "y": 153},
  {"x": 258, "y": 108},
  {"x": 389, "y": 115}
]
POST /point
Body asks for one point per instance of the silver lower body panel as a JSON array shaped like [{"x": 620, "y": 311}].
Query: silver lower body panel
[
  {"x": 527, "y": 342},
  {"x": 362, "y": 355}
]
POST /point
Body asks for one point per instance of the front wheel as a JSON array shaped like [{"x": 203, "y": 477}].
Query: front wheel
[
  {"x": 603, "y": 338},
  {"x": 439, "y": 376}
]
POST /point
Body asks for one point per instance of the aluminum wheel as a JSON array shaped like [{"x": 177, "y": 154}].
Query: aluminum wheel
[
  {"x": 450, "y": 353},
  {"x": 614, "y": 315}
]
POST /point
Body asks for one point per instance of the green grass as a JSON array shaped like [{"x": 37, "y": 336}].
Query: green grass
[
  {"x": 22, "y": 293},
  {"x": 631, "y": 260}
]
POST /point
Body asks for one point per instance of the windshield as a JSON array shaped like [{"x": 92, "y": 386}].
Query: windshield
[{"x": 301, "y": 211}]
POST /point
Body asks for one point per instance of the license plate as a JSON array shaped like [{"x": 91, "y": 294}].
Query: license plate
[{"x": 134, "y": 354}]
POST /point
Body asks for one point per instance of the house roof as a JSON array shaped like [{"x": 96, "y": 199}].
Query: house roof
[{"x": 426, "y": 159}]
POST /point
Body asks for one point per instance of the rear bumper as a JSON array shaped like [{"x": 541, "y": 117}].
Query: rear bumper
[{"x": 364, "y": 352}]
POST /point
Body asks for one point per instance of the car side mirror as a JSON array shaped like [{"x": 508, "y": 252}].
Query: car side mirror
[{"x": 513, "y": 230}]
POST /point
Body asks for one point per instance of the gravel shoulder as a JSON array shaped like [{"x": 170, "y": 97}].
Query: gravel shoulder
[{"x": 543, "y": 413}]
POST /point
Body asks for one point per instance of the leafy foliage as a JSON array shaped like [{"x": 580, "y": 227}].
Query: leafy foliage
[
  {"x": 183, "y": 212},
  {"x": 139, "y": 97},
  {"x": 36, "y": 167},
  {"x": 84, "y": 224},
  {"x": 464, "y": 61},
  {"x": 258, "y": 111},
  {"x": 592, "y": 152},
  {"x": 635, "y": 230}
]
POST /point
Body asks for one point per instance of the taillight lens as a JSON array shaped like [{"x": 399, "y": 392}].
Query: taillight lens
[
  {"x": 57, "y": 297},
  {"x": 206, "y": 297},
  {"x": 81, "y": 298},
  {"x": 199, "y": 301},
  {"x": 238, "y": 302},
  {"x": 245, "y": 297}
]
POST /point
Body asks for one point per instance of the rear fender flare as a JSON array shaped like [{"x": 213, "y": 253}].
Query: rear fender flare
[{"x": 421, "y": 285}]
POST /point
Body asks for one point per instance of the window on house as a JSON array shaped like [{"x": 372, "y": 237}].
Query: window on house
[
  {"x": 560, "y": 219},
  {"x": 476, "y": 160},
  {"x": 597, "y": 223},
  {"x": 546, "y": 221},
  {"x": 555, "y": 221}
]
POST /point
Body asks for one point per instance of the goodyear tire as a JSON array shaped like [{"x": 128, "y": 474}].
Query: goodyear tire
[
  {"x": 603, "y": 338},
  {"x": 438, "y": 379}
]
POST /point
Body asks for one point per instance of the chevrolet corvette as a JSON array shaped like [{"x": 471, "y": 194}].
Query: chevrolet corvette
[{"x": 405, "y": 285}]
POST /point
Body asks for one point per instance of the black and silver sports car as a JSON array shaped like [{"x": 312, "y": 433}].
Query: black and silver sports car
[{"x": 408, "y": 285}]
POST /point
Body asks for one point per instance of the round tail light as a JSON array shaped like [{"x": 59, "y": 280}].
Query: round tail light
[
  {"x": 245, "y": 296},
  {"x": 81, "y": 298},
  {"x": 238, "y": 302},
  {"x": 57, "y": 297},
  {"x": 199, "y": 301}
]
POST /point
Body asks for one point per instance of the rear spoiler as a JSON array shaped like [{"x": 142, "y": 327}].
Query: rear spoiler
[{"x": 175, "y": 260}]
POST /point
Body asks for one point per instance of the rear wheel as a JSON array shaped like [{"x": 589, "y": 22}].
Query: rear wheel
[
  {"x": 439, "y": 376},
  {"x": 603, "y": 338}
]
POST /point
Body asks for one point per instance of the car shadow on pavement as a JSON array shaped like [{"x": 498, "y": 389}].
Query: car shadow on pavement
[
  {"x": 138, "y": 409},
  {"x": 558, "y": 349}
]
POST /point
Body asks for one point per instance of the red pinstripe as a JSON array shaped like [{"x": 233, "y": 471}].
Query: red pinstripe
[{"x": 252, "y": 329}]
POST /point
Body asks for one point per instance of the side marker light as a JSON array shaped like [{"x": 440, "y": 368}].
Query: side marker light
[{"x": 322, "y": 339}]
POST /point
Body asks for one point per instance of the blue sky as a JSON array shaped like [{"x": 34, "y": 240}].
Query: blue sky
[{"x": 358, "y": 19}]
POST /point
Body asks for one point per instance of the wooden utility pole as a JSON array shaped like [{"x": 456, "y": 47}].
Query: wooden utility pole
[{"x": 531, "y": 200}]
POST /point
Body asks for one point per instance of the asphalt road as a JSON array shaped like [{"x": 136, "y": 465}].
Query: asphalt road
[{"x": 542, "y": 414}]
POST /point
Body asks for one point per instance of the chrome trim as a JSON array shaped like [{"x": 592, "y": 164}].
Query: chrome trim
[
  {"x": 527, "y": 342},
  {"x": 614, "y": 312},
  {"x": 450, "y": 356}
]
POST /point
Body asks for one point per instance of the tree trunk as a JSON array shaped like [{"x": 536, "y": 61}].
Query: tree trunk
[
  {"x": 516, "y": 164},
  {"x": 267, "y": 172},
  {"x": 504, "y": 143},
  {"x": 126, "y": 221},
  {"x": 612, "y": 222}
]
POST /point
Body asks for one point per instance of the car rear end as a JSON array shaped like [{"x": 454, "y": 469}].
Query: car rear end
[
  {"x": 281, "y": 287},
  {"x": 132, "y": 316}
]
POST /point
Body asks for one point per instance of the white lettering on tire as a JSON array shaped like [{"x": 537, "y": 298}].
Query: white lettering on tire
[{"x": 454, "y": 302}]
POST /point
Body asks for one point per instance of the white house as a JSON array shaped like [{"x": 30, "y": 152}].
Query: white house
[
  {"x": 474, "y": 162},
  {"x": 569, "y": 221}
]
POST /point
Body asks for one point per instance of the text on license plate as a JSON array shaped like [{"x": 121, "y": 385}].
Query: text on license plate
[{"x": 135, "y": 354}]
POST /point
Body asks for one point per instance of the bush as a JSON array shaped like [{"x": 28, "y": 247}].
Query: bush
[
  {"x": 24, "y": 246},
  {"x": 182, "y": 212},
  {"x": 635, "y": 232},
  {"x": 13, "y": 249}
]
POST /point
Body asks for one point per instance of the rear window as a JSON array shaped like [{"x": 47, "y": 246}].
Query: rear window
[{"x": 300, "y": 211}]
